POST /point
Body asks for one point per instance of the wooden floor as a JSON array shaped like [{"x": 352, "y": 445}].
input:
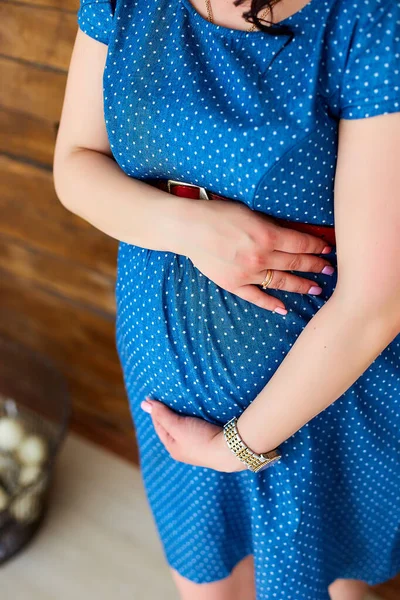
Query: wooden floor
[{"x": 98, "y": 540}]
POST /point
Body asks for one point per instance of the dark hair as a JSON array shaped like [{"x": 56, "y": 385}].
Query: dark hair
[{"x": 251, "y": 17}]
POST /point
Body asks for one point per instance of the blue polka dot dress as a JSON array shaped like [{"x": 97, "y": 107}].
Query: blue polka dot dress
[{"x": 253, "y": 117}]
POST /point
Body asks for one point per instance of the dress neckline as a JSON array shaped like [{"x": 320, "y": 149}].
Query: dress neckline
[{"x": 221, "y": 29}]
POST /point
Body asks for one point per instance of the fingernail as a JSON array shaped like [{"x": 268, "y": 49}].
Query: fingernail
[
  {"x": 315, "y": 289},
  {"x": 328, "y": 270},
  {"x": 326, "y": 250},
  {"x": 146, "y": 406},
  {"x": 280, "y": 311}
]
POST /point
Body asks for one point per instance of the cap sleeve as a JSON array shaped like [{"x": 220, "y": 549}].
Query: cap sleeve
[
  {"x": 371, "y": 79},
  {"x": 95, "y": 18}
]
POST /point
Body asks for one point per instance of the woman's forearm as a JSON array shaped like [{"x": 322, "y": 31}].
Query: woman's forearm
[
  {"x": 331, "y": 353},
  {"x": 94, "y": 187}
]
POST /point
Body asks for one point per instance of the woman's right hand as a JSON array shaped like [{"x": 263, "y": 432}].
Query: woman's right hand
[{"x": 233, "y": 246}]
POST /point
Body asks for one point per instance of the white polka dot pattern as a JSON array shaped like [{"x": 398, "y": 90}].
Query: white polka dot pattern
[
  {"x": 95, "y": 19},
  {"x": 253, "y": 117}
]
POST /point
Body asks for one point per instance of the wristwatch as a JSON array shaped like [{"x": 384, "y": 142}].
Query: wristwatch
[{"x": 255, "y": 462}]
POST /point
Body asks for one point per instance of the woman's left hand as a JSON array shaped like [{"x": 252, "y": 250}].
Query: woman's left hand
[{"x": 192, "y": 440}]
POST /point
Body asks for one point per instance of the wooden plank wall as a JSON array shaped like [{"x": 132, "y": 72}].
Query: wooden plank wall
[{"x": 57, "y": 272}]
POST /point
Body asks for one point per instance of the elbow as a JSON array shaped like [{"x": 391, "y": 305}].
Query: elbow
[
  {"x": 379, "y": 308},
  {"x": 62, "y": 175},
  {"x": 60, "y": 168},
  {"x": 58, "y": 186}
]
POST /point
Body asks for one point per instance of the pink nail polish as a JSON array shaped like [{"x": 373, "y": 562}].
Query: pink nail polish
[
  {"x": 280, "y": 311},
  {"x": 328, "y": 270},
  {"x": 315, "y": 289},
  {"x": 146, "y": 407},
  {"x": 326, "y": 250}
]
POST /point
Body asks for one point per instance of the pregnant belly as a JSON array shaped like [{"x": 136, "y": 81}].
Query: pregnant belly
[{"x": 193, "y": 345}]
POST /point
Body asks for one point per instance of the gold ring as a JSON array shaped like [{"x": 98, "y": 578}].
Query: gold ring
[{"x": 268, "y": 279}]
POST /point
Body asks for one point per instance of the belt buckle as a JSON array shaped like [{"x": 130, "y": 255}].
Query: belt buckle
[{"x": 202, "y": 191}]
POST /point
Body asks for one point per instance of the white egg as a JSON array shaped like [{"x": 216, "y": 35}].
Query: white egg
[
  {"x": 11, "y": 433},
  {"x": 28, "y": 474},
  {"x": 26, "y": 509},
  {"x": 3, "y": 499},
  {"x": 32, "y": 450}
]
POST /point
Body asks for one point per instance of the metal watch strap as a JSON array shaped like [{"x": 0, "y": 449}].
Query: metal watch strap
[{"x": 251, "y": 459}]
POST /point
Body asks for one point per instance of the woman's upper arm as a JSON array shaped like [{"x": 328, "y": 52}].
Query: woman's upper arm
[
  {"x": 82, "y": 123},
  {"x": 367, "y": 178},
  {"x": 367, "y": 213}
]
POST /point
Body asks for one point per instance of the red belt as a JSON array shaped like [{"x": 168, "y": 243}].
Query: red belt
[{"x": 188, "y": 190}]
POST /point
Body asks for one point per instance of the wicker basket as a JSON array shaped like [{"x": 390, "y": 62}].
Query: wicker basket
[{"x": 34, "y": 399}]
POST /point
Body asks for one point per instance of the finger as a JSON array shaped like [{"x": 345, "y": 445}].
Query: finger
[
  {"x": 164, "y": 436},
  {"x": 297, "y": 242},
  {"x": 169, "y": 419},
  {"x": 306, "y": 263},
  {"x": 253, "y": 294},
  {"x": 282, "y": 280}
]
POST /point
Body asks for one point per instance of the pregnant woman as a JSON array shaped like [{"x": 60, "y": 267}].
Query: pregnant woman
[{"x": 246, "y": 157}]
